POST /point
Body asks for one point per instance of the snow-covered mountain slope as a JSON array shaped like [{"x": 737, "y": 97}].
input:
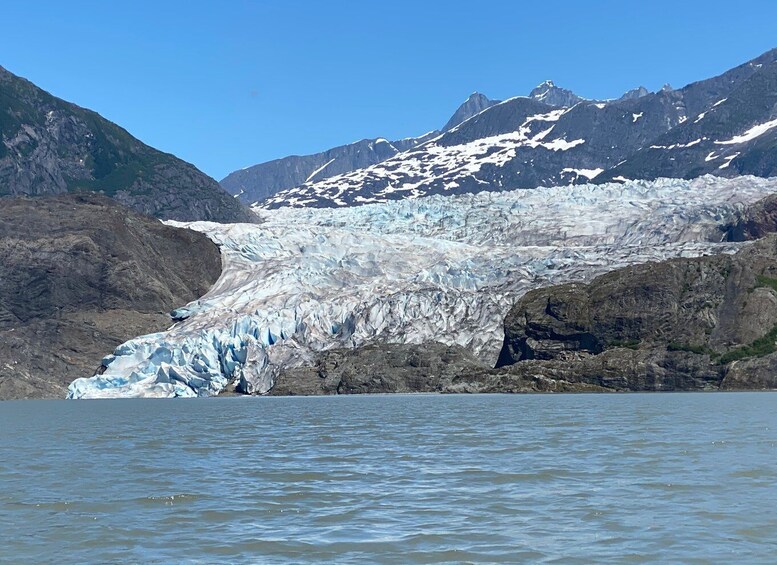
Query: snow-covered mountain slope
[
  {"x": 259, "y": 182},
  {"x": 442, "y": 269},
  {"x": 525, "y": 142},
  {"x": 265, "y": 179},
  {"x": 736, "y": 135},
  {"x": 518, "y": 143}
]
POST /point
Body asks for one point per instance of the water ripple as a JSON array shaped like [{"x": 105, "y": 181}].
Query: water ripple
[{"x": 391, "y": 479}]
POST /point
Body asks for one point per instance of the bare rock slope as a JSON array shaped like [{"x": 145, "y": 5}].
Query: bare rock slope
[
  {"x": 49, "y": 146},
  {"x": 80, "y": 274}
]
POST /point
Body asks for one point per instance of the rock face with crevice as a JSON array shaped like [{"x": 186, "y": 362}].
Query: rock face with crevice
[
  {"x": 80, "y": 274},
  {"x": 755, "y": 221}
]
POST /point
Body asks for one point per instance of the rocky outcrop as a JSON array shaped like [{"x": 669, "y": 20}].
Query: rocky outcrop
[
  {"x": 759, "y": 373},
  {"x": 80, "y": 274},
  {"x": 683, "y": 324},
  {"x": 404, "y": 368},
  {"x": 548, "y": 93},
  {"x": 379, "y": 368},
  {"x": 755, "y": 222},
  {"x": 635, "y": 93},
  {"x": 49, "y": 146}
]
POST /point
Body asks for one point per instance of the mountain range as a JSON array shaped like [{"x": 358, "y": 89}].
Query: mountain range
[
  {"x": 726, "y": 125},
  {"x": 259, "y": 182}
]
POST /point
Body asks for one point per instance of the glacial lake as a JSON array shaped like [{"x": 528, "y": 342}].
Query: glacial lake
[{"x": 626, "y": 478}]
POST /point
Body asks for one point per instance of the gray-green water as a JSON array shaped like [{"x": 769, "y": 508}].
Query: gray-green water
[{"x": 689, "y": 478}]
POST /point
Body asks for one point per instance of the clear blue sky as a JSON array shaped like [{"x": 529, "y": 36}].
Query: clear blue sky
[{"x": 232, "y": 83}]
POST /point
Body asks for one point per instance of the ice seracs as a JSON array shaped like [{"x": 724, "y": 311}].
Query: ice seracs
[{"x": 443, "y": 269}]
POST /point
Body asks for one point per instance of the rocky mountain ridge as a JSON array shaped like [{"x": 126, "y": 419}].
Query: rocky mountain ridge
[
  {"x": 260, "y": 182},
  {"x": 49, "y": 146},
  {"x": 548, "y": 93}
]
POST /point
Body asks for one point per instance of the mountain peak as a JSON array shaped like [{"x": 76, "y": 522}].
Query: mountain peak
[
  {"x": 635, "y": 93},
  {"x": 548, "y": 93},
  {"x": 474, "y": 104},
  {"x": 477, "y": 96}
]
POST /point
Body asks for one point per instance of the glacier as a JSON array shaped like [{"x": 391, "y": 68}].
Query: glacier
[{"x": 438, "y": 268}]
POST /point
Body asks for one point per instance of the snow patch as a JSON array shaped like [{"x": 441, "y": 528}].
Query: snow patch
[
  {"x": 587, "y": 173},
  {"x": 677, "y": 145},
  {"x": 318, "y": 170},
  {"x": 750, "y": 134},
  {"x": 728, "y": 160}
]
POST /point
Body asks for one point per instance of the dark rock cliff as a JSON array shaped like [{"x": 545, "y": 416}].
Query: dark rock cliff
[{"x": 685, "y": 324}]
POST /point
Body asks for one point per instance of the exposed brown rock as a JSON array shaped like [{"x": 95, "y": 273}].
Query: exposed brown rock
[{"x": 80, "y": 274}]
